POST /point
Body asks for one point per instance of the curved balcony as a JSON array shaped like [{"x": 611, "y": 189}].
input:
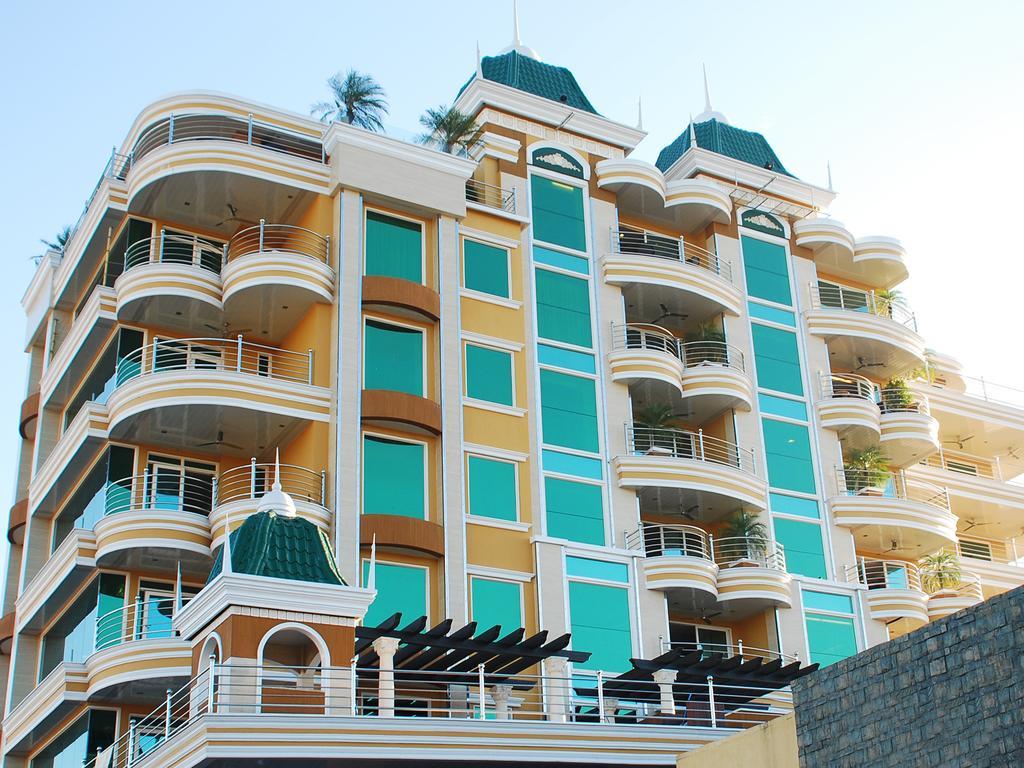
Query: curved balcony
[
  {"x": 29, "y": 415},
  {"x": 273, "y": 274},
  {"x": 239, "y": 490},
  {"x": 231, "y": 396},
  {"x": 678, "y": 562},
  {"x": 6, "y": 633},
  {"x": 400, "y": 410},
  {"x": 874, "y": 261},
  {"x": 137, "y": 656},
  {"x": 654, "y": 270},
  {"x": 641, "y": 189},
  {"x": 690, "y": 469},
  {"x": 848, "y": 407},
  {"x": 943, "y": 602},
  {"x": 892, "y": 513},
  {"x": 752, "y": 574},
  {"x": 154, "y": 522},
  {"x": 909, "y": 433},
  {"x": 206, "y": 154},
  {"x": 865, "y": 331},
  {"x": 16, "y": 520},
  {"x": 171, "y": 281},
  {"x": 699, "y": 379},
  {"x": 894, "y": 591}
]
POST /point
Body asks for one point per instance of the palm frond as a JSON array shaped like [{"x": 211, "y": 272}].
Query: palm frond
[
  {"x": 449, "y": 127},
  {"x": 356, "y": 99}
]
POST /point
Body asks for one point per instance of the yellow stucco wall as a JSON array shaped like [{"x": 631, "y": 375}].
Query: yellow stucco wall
[{"x": 771, "y": 745}]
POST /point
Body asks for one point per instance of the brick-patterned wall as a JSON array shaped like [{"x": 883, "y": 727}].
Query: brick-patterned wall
[{"x": 950, "y": 694}]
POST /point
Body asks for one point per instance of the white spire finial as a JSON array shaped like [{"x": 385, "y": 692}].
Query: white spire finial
[
  {"x": 479, "y": 64},
  {"x": 277, "y": 470},
  {"x": 276, "y": 500},
  {"x": 693, "y": 134},
  {"x": 828, "y": 166},
  {"x": 226, "y": 549},
  {"x": 517, "y": 43},
  {"x": 177, "y": 592},
  {"x": 640, "y": 113},
  {"x": 371, "y": 581},
  {"x": 709, "y": 113},
  {"x": 707, "y": 90}
]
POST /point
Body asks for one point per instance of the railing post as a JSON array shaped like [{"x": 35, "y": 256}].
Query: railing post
[
  {"x": 248, "y": 137},
  {"x": 214, "y": 484},
  {"x": 130, "y": 758},
  {"x": 309, "y": 366},
  {"x": 739, "y": 648},
  {"x": 152, "y": 362},
  {"x": 711, "y": 546},
  {"x": 863, "y": 570},
  {"x": 353, "y": 683},
  {"x": 515, "y": 206},
  {"x": 137, "y": 622},
  {"x": 163, "y": 244},
  {"x": 170, "y": 129},
  {"x": 483, "y": 692},
  {"x": 252, "y": 478},
  {"x": 327, "y": 250},
  {"x": 263, "y": 226},
  {"x": 682, "y": 248},
  {"x": 600, "y": 696},
  {"x": 700, "y": 441},
  {"x": 711, "y": 701},
  {"x": 167, "y": 717},
  {"x": 224, "y": 255},
  {"x": 238, "y": 362},
  {"x": 211, "y": 689},
  {"x": 323, "y": 487}
]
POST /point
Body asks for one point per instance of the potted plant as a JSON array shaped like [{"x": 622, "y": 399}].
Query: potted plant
[
  {"x": 749, "y": 539},
  {"x": 706, "y": 345},
  {"x": 886, "y": 300},
  {"x": 648, "y": 421},
  {"x": 866, "y": 471},
  {"x": 940, "y": 574},
  {"x": 896, "y": 396}
]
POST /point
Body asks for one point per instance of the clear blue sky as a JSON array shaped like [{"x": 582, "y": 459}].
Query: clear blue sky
[{"x": 919, "y": 106}]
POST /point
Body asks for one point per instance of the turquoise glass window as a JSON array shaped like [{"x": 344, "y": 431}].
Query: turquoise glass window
[
  {"x": 767, "y": 270},
  {"x": 78, "y": 744},
  {"x": 559, "y": 357},
  {"x": 400, "y": 589},
  {"x": 771, "y": 314},
  {"x": 827, "y": 601},
  {"x": 568, "y": 411},
  {"x": 805, "y": 552},
  {"x": 777, "y": 359},
  {"x": 394, "y": 478},
  {"x": 489, "y": 375},
  {"x": 788, "y": 453},
  {"x": 561, "y": 260},
  {"x": 588, "y": 568},
  {"x": 394, "y": 247},
  {"x": 563, "y": 308},
  {"x": 495, "y": 602},
  {"x": 485, "y": 268},
  {"x": 793, "y": 505},
  {"x": 599, "y": 616},
  {"x": 575, "y": 511},
  {"x": 780, "y": 406},
  {"x": 572, "y": 464},
  {"x": 830, "y": 638},
  {"x": 492, "y": 488},
  {"x": 393, "y": 358},
  {"x": 558, "y": 213}
]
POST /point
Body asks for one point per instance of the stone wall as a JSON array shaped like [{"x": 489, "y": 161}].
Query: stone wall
[{"x": 950, "y": 694}]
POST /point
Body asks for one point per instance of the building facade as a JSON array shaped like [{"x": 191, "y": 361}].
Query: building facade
[{"x": 668, "y": 407}]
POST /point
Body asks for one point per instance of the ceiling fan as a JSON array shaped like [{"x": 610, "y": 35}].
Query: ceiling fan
[
  {"x": 862, "y": 364},
  {"x": 706, "y": 618},
  {"x": 972, "y": 524},
  {"x": 226, "y": 330},
  {"x": 687, "y": 512},
  {"x": 893, "y": 546},
  {"x": 666, "y": 313},
  {"x": 958, "y": 441},
  {"x": 233, "y": 217},
  {"x": 220, "y": 441}
]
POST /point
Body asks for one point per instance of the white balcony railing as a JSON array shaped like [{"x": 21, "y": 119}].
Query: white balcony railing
[
  {"x": 658, "y": 540},
  {"x": 739, "y": 550},
  {"x": 161, "y": 491},
  {"x": 143, "y": 619},
  {"x": 737, "y": 648},
  {"x": 691, "y": 353},
  {"x": 884, "y": 574},
  {"x": 892, "y": 485},
  {"x": 175, "y": 248},
  {"x": 252, "y": 480},
  {"x": 649, "y": 244},
  {"x": 264, "y": 237},
  {"x": 490, "y": 195},
  {"x": 682, "y": 444},
  {"x": 855, "y": 300},
  {"x": 901, "y": 400}
]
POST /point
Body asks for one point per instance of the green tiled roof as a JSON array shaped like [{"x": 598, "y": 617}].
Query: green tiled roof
[
  {"x": 527, "y": 74},
  {"x": 268, "y": 544},
  {"x": 725, "y": 139}
]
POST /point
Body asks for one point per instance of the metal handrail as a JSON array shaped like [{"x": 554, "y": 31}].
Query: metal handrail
[
  {"x": 658, "y": 540},
  {"x": 989, "y": 391},
  {"x": 893, "y": 485},
  {"x": 964, "y": 464},
  {"x": 884, "y": 574},
  {"x": 252, "y": 480},
  {"x": 174, "y": 248},
  {"x": 691, "y": 353},
  {"x": 116, "y": 168},
  {"x": 702, "y": 353},
  {"x": 739, "y": 648},
  {"x": 737, "y": 550},
  {"x": 491, "y": 195},
  {"x": 267, "y": 238},
  {"x": 212, "y": 127},
  {"x": 171, "y": 491},
  {"x": 838, "y": 385},
  {"x": 969, "y": 586},
  {"x": 682, "y": 444},
  {"x": 163, "y": 355},
  {"x": 902, "y": 400},
  {"x": 856, "y": 300},
  {"x": 664, "y": 247},
  {"x": 132, "y": 622}
]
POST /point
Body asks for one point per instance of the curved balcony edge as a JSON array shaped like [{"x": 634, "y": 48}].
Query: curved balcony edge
[
  {"x": 403, "y": 295},
  {"x": 403, "y": 532},
  {"x": 401, "y": 409}
]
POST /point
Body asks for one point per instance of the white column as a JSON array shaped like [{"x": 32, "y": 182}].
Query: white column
[
  {"x": 501, "y": 694},
  {"x": 558, "y": 692},
  {"x": 665, "y": 678},
  {"x": 611, "y": 704},
  {"x": 385, "y": 647}
]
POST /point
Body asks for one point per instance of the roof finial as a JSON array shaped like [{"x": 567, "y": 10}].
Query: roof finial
[
  {"x": 709, "y": 113},
  {"x": 693, "y": 134},
  {"x": 828, "y": 166},
  {"x": 276, "y": 500},
  {"x": 177, "y": 592},
  {"x": 517, "y": 44},
  {"x": 707, "y": 90},
  {"x": 371, "y": 581},
  {"x": 226, "y": 549},
  {"x": 639, "y": 113},
  {"x": 479, "y": 65},
  {"x": 277, "y": 470}
]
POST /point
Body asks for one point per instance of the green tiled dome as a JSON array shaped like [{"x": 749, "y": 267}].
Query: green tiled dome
[
  {"x": 268, "y": 544},
  {"x": 724, "y": 139},
  {"x": 524, "y": 73}
]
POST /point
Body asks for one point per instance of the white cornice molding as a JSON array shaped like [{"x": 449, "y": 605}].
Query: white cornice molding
[
  {"x": 696, "y": 160},
  {"x": 242, "y": 589},
  {"x": 496, "y": 145},
  {"x": 342, "y": 134},
  {"x": 481, "y": 92}
]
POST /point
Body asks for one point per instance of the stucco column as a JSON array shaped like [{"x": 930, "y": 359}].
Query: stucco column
[
  {"x": 665, "y": 678},
  {"x": 385, "y": 647},
  {"x": 557, "y": 690},
  {"x": 501, "y": 694}
]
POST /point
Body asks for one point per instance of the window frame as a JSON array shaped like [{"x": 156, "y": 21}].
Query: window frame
[
  {"x": 426, "y": 582},
  {"x": 511, "y": 353},
  {"x": 468, "y": 454},
  {"x": 484, "y": 295},
  {"x": 471, "y": 577},
  {"x": 424, "y": 348},
  {"x": 362, "y": 469},
  {"x": 582, "y": 184},
  {"x": 627, "y": 586},
  {"x": 423, "y": 241}
]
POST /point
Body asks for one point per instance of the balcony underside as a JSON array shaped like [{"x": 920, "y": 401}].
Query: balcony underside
[
  {"x": 702, "y": 392},
  {"x": 907, "y": 438},
  {"x": 154, "y": 540},
  {"x": 671, "y": 486},
  {"x": 990, "y": 508},
  {"x": 648, "y": 282},
  {"x": 898, "y": 605},
  {"x": 171, "y": 296},
  {"x": 139, "y": 671},
  {"x": 864, "y": 343},
  {"x": 894, "y": 527},
  {"x": 855, "y": 419}
]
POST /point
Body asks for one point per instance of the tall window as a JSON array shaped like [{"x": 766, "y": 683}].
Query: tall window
[
  {"x": 831, "y": 633},
  {"x": 599, "y": 612},
  {"x": 569, "y": 411},
  {"x": 788, "y": 453},
  {"x": 496, "y": 602},
  {"x": 558, "y": 213},
  {"x": 78, "y": 744},
  {"x": 485, "y": 268},
  {"x": 394, "y": 477},
  {"x": 492, "y": 488},
  {"x": 801, "y": 540},
  {"x": 102, "y": 489},
  {"x": 574, "y": 510},
  {"x": 563, "y": 308},
  {"x": 489, "y": 375},
  {"x": 93, "y": 621},
  {"x": 400, "y": 589},
  {"x": 766, "y": 270},
  {"x": 777, "y": 359},
  {"x": 393, "y": 358},
  {"x": 394, "y": 247},
  {"x": 179, "y": 484}
]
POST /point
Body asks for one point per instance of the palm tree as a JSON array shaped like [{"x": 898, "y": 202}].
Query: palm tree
[
  {"x": 357, "y": 100},
  {"x": 748, "y": 533},
  {"x": 940, "y": 571},
  {"x": 449, "y": 127},
  {"x": 60, "y": 242}
]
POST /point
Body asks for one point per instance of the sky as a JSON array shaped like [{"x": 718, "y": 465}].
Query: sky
[{"x": 917, "y": 106}]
